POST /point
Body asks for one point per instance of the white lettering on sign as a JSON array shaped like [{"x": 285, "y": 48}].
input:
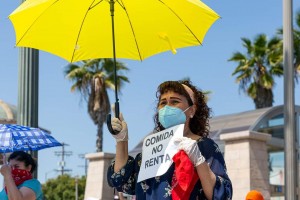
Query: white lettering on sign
[{"x": 158, "y": 151}]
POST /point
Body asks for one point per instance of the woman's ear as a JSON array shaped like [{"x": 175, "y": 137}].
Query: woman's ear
[
  {"x": 193, "y": 111},
  {"x": 28, "y": 168}
]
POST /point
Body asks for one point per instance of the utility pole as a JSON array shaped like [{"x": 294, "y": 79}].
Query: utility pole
[
  {"x": 290, "y": 149},
  {"x": 63, "y": 154},
  {"x": 85, "y": 163},
  {"x": 76, "y": 188},
  {"x": 28, "y": 86}
]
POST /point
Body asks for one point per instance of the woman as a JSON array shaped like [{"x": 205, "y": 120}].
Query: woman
[
  {"x": 179, "y": 102},
  {"x": 18, "y": 181}
]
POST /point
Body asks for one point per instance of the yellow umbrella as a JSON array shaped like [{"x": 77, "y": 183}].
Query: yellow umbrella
[
  {"x": 81, "y": 29},
  {"x": 134, "y": 29}
]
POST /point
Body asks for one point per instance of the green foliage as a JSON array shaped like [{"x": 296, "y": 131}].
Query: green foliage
[
  {"x": 261, "y": 62},
  {"x": 297, "y": 43},
  {"x": 296, "y": 38},
  {"x": 63, "y": 188},
  {"x": 257, "y": 68},
  {"x": 92, "y": 78},
  {"x": 83, "y": 73}
]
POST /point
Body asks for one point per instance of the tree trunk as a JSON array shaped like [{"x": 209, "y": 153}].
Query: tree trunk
[
  {"x": 98, "y": 108},
  {"x": 264, "y": 98},
  {"x": 99, "y": 141}
]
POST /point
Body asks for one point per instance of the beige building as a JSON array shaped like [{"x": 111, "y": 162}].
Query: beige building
[
  {"x": 8, "y": 113},
  {"x": 253, "y": 146}
]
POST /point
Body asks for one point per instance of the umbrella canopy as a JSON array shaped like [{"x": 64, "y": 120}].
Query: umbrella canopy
[
  {"x": 134, "y": 29},
  {"x": 15, "y": 137},
  {"x": 81, "y": 29}
]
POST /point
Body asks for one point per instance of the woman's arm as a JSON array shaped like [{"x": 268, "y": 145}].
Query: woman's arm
[
  {"x": 13, "y": 192},
  {"x": 121, "y": 173},
  {"x": 207, "y": 178},
  {"x": 124, "y": 180},
  {"x": 121, "y": 155},
  {"x": 213, "y": 173},
  {"x": 210, "y": 166}
]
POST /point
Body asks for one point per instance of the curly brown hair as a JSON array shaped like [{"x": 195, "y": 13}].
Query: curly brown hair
[{"x": 199, "y": 124}]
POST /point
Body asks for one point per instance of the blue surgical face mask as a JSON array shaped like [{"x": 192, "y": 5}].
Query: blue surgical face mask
[{"x": 171, "y": 116}]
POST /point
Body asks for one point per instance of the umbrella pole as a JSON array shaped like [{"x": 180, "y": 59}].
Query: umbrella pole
[
  {"x": 4, "y": 161},
  {"x": 112, "y": 10},
  {"x": 117, "y": 108}
]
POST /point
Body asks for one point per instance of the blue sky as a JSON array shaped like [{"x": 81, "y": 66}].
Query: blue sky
[{"x": 65, "y": 113}]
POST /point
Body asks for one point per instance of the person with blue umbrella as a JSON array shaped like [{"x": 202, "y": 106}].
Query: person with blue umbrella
[
  {"x": 18, "y": 172},
  {"x": 18, "y": 180}
]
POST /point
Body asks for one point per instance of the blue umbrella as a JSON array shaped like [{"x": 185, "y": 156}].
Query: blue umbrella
[{"x": 15, "y": 137}]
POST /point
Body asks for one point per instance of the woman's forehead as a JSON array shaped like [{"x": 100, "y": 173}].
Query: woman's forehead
[
  {"x": 13, "y": 161},
  {"x": 171, "y": 94}
]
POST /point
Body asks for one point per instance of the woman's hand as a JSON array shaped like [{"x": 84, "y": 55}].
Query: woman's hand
[
  {"x": 13, "y": 192},
  {"x": 5, "y": 170},
  {"x": 206, "y": 176},
  {"x": 191, "y": 149},
  {"x": 120, "y": 126}
]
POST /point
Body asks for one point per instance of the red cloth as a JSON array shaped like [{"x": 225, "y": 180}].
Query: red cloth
[
  {"x": 184, "y": 177},
  {"x": 19, "y": 176}
]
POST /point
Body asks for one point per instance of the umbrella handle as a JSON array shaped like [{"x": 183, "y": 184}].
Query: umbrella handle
[
  {"x": 108, "y": 119},
  {"x": 4, "y": 159}
]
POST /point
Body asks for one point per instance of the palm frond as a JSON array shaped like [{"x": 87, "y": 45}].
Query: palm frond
[
  {"x": 252, "y": 90},
  {"x": 238, "y": 56},
  {"x": 247, "y": 44},
  {"x": 267, "y": 81}
]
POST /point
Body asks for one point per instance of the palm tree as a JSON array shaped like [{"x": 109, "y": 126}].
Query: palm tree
[
  {"x": 92, "y": 78},
  {"x": 296, "y": 37},
  {"x": 256, "y": 69},
  {"x": 297, "y": 43}
]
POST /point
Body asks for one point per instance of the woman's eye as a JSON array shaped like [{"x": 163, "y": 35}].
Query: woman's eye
[
  {"x": 174, "y": 102},
  {"x": 162, "y": 103}
]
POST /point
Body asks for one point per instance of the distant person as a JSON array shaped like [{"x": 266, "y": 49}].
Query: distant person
[
  {"x": 201, "y": 172},
  {"x": 18, "y": 180},
  {"x": 254, "y": 195}
]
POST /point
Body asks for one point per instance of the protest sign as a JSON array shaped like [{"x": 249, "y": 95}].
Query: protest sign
[{"x": 158, "y": 151}]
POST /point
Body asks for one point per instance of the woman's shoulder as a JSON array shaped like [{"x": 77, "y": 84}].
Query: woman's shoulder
[
  {"x": 208, "y": 146},
  {"x": 206, "y": 141},
  {"x": 32, "y": 181},
  {"x": 35, "y": 185}
]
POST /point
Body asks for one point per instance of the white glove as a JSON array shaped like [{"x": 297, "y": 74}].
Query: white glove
[
  {"x": 119, "y": 125},
  {"x": 191, "y": 149}
]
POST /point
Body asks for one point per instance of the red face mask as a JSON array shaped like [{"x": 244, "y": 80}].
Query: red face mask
[{"x": 19, "y": 176}]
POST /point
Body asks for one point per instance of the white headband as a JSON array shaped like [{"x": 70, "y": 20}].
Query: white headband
[{"x": 190, "y": 92}]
